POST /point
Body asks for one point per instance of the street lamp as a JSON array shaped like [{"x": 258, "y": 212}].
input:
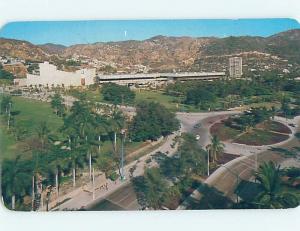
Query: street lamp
[
  {"x": 123, "y": 133},
  {"x": 207, "y": 150}
]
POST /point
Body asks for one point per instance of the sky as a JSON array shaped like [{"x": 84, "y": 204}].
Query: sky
[{"x": 82, "y": 32}]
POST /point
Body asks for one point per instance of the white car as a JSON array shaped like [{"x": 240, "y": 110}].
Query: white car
[{"x": 197, "y": 137}]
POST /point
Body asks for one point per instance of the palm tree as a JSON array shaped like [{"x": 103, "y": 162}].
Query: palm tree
[
  {"x": 101, "y": 125},
  {"x": 76, "y": 156},
  {"x": 116, "y": 124},
  {"x": 272, "y": 194},
  {"x": 215, "y": 148},
  {"x": 43, "y": 133},
  {"x": 80, "y": 118},
  {"x": 5, "y": 104},
  {"x": 13, "y": 179},
  {"x": 91, "y": 147},
  {"x": 57, "y": 104}
]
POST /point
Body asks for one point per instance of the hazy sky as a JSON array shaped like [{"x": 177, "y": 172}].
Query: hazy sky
[{"x": 76, "y": 32}]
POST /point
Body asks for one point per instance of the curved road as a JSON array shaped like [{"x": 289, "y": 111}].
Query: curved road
[{"x": 228, "y": 176}]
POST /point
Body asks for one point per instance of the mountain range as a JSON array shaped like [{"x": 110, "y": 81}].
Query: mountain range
[{"x": 161, "y": 53}]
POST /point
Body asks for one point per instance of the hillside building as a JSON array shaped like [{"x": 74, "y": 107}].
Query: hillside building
[{"x": 235, "y": 67}]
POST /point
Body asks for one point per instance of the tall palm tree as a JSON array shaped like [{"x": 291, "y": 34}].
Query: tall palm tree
[
  {"x": 57, "y": 104},
  {"x": 215, "y": 147},
  {"x": 80, "y": 118},
  {"x": 90, "y": 147},
  {"x": 76, "y": 156},
  {"x": 272, "y": 194},
  {"x": 5, "y": 104},
  {"x": 116, "y": 123},
  {"x": 13, "y": 179},
  {"x": 101, "y": 125},
  {"x": 43, "y": 133}
]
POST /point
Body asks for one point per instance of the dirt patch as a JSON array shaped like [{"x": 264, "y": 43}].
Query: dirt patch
[
  {"x": 260, "y": 137},
  {"x": 275, "y": 127},
  {"x": 226, "y": 157},
  {"x": 223, "y": 132}
]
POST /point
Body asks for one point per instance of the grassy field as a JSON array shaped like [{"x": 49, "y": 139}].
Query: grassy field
[
  {"x": 28, "y": 114},
  {"x": 169, "y": 102}
]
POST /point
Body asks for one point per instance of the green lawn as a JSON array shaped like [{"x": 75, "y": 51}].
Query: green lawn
[
  {"x": 28, "y": 114},
  {"x": 169, "y": 102},
  {"x": 32, "y": 112}
]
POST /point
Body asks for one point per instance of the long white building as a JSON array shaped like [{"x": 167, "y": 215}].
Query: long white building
[
  {"x": 51, "y": 77},
  {"x": 158, "y": 78}
]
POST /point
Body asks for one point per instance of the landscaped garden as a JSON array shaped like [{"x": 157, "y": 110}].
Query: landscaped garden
[{"x": 254, "y": 127}]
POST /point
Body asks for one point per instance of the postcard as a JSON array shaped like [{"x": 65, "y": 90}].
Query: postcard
[{"x": 187, "y": 114}]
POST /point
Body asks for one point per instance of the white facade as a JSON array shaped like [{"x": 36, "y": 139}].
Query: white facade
[
  {"x": 235, "y": 67},
  {"x": 51, "y": 77}
]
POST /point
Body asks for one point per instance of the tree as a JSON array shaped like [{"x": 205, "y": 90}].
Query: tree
[
  {"x": 155, "y": 187},
  {"x": 285, "y": 108},
  {"x": 117, "y": 94},
  {"x": 215, "y": 147},
  {"x": 203, "y": 98},
  {"x": 189, "y": 160},
  {"x": 18, "y": 131},
  {"x": 79, "y": 121},
  {"x": 90, "y": 147},
  {"x": 272, "y": 194},
  {"x": 57, "y": 104},
  {"x": 77, "y": 157},
  {"x": 6, "y": 76},
  {"x": 14, "y": 178},
  {"x": 43, "y": 133},
  {"x": 5, "y": 104},
  {"x": 101, "y": 129},
  {"x": 116, "y": 123},
  {"x": 152, "y": 121}
]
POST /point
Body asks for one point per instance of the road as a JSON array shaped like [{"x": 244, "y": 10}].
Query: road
[
  {"x": 206, "y": 119},
  {"x": 227, "y": 177}
]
